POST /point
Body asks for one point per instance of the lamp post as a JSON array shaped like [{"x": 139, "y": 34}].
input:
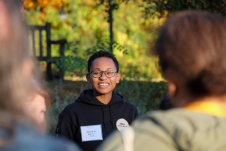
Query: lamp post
[
  {"x": 63, "y": 15},
  {"x": 73, "y": 28},
  {"x": 110, "y": 2}
]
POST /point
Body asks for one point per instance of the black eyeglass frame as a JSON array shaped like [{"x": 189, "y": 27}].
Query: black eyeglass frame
[{"x": 101, "y": 73}]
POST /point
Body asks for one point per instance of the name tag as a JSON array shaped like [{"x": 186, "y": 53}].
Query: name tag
[{"x": 91, "y": 133}]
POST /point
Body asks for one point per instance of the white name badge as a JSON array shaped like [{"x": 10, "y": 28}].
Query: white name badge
[{"x": 91, "y": 133}]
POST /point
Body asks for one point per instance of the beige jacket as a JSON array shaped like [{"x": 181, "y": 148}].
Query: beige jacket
[{"x": 172, "y": 130}]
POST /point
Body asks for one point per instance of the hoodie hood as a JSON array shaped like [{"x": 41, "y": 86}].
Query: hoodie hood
[{"x": 87, "y": 97}]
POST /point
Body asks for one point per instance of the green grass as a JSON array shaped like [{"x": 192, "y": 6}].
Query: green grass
[{"x": 145, "y": 95}]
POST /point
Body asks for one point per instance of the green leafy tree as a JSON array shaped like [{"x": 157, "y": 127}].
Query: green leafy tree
[{"x": 132, "y": 32}]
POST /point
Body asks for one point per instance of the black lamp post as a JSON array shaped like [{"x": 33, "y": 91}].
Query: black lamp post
[
  {"x": 110, "y": 2},
  {"x": 63, "y": 15}
]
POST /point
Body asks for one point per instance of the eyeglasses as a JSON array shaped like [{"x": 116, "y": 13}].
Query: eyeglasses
[{"x": 98, "y": 74}]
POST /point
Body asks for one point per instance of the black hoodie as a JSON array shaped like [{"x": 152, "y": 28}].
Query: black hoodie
[{"x": 88, "y": 110}]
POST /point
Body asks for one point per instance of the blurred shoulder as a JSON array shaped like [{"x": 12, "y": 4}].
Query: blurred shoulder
[
  {"x": 57, "y": 144},
  {"x": 175, "y": 117},
  {"x": 25, "y": 137}
]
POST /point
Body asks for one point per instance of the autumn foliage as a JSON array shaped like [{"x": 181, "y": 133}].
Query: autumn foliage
[{"x": 28, "y": 4}]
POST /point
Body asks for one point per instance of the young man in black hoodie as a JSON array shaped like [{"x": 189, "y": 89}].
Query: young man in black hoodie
[{"x": 98, "y": 111}]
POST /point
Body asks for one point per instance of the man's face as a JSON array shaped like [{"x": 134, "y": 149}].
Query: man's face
[{"x": 103, "y": 85}]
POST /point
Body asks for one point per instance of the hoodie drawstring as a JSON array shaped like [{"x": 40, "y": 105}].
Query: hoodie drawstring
[
  {"x": 103, "y": 119},
  {"x": 111, "y": 118}
]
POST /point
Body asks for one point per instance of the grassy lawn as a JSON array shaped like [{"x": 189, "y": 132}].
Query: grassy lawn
[{"x": 145, "y": 95}]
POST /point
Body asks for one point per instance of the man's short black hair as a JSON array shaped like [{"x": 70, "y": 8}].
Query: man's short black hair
[{"x": 102, "y": 54}]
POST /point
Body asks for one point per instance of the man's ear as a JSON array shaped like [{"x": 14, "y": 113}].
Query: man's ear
[
  {"x": 88, "y": 77},
  {"x": 172, "y": 89},
  {"x": 118, "y": 77}
]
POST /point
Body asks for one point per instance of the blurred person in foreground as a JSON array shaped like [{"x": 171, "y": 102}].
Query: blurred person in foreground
[
  {"x": 39, "y": 103},
  {"x": 15, "y": 71},
  {"x": 191, "y": 48},
  {"x": 165, "y": 103}
]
